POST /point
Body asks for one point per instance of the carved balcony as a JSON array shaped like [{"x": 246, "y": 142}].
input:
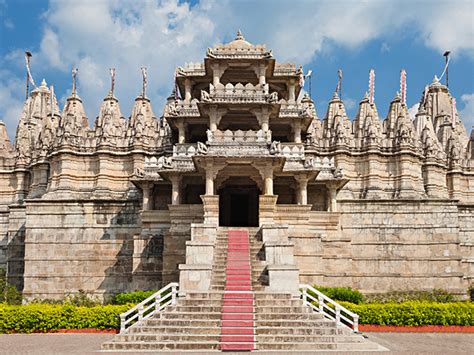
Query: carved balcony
[
  {"x": 179, "y": 108},
  {"x": 192, "y": 69},
  {"x": 239, "y": 137},
  {"x": 285, "y": 69},
  {"x": 238, "y": 94}
]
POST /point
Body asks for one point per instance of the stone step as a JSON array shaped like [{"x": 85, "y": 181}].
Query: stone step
[
  {"x": 184, "y": 322},
  {"x": 314, "y": 346},
  {"x": 188, "y": 315},
  {"x": 165, "y": 337},
  {"x": 175, "y": 330},
  {"x": 161, "y": 345},
  {"x": 287, "y": 316},
  {"x": 303, "y": 329}
]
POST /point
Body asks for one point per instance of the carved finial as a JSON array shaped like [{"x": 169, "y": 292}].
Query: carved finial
[
  {"x": 74, "y": 79},
  {"x": 240, "y": 36},
  {"x": 43, "y": 84},
  {"x": 435, "y": 80},
  {"x": 112, "y": 81},
  {"x": 145, "y": 81}
]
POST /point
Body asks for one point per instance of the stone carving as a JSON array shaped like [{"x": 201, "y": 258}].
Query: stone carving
[
  {"x": 275, "y": 148},
  {"x": 202, "y": 148},
  {"x": 165, "y": 163}
]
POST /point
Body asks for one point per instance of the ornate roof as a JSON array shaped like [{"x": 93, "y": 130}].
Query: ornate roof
[{"x": 239, "y": 48}]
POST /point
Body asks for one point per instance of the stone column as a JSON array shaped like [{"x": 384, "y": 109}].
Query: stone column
[
  {"x": 291, "y": 91},
  {"x": 302, "y": 196},
  {"x": 260, "y": 72},
  {"x": 175, "y": 187},
  {"x": 268, "y": 180},
  {"x": 181, "y": 131},
  {"x": 210, "y": 181},
  {"x": 147, "y": 189},
  {"x": 332, "y": 204},
  {"x": 187, "y": 90},
  {"x": 215, "y": 116},
  {"x": 297, "y": 131},
  {"x": 263, "y": 118},
  {"x": 216, "y": 74}
]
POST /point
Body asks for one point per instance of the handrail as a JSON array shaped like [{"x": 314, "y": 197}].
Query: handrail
[
  {"x": 329, "y": 308},
  {"x": 147, "y": 308}
]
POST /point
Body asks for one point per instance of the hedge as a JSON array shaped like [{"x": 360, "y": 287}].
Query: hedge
[
  {"x": 47, "y": 317},
  {"x": 346, "y": 294},
  {"x": 414, "y": 313},
  {"x": 132, "y": 297}
]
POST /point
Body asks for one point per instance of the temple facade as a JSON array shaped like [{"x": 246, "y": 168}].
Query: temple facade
[{"x": 378, "y": 204}]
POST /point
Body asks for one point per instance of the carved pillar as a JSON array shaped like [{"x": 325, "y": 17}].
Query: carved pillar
[
  {"x": 291, "y": 91},
  {"x": 181, "y": 131},
  {"x": 297, "y": 131},
  {"x": 175, "y": 187},
  {"x": 268, "y": 180},
  {"x": 217, "y": 71},
  {"x": 147, "y": 190},
  {"x": 332, "y": 203},
  {"x": 211, "y": 173},
  {"x": 215, "y": 116},
  {"x": 302, "y": 196},
  {"x": 260, "y": 71},
  {"x": 187, "y": 90},
  {"x": 263, "y": 118}
]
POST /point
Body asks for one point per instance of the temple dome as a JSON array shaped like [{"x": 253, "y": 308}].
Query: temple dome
[{"x": 239, "y": 42}]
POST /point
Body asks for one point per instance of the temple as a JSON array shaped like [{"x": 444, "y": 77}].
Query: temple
[{"x": 378, "y": 204}]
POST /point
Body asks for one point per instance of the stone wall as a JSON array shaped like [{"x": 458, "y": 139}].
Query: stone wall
[
  {"x": 72, "y": 246},
  {"x": 399, "y": 245},
  {"x": 382, "y": 246}
]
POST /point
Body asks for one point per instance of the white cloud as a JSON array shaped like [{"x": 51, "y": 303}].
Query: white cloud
[
  {"x": 412, "y": 111},
  {"x": 9, "y": 86},
  {"x": 467, "y": 113}
]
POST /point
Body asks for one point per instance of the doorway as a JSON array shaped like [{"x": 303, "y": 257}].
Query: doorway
[{"x": 238, "y": 205}]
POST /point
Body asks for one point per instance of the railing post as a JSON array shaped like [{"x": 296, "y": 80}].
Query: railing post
[
  {"x": 122, "y": 323},
  {"x": 356, "y": 323},
  {"x": 140, "y": 313},
  {"x": 305, "y": 295},
  {"x": 157, "y": 302},
  {"x": 173, "y": 295},
  {"x": 321, "y": 303},
  {"x": 338, "y": 314}
]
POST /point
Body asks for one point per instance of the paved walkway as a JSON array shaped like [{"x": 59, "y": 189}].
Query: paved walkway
[{"x": 398, "y": 343}]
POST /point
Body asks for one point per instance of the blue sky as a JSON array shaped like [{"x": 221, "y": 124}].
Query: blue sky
[{"x": 321, "y": 35}]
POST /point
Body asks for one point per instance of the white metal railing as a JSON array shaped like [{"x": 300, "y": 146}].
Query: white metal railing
[
  {"x": 147, "y": 308},
  {"x": 329, "y": 308}
]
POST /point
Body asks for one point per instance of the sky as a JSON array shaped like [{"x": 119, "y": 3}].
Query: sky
[{"x": 323, "y": 36}]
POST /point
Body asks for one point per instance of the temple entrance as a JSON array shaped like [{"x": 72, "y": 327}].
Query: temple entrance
[{"x": 238, "y": 203}]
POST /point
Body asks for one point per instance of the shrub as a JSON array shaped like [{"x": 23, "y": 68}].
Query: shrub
[
  {"x": 414, "y": 313},
  {"x": 346, "y": 294},
  {"x": 8, "y": 293},
  {"x": 132, "y": 297},
  {"x": 436, "y": 295},
  {"x": 46, "y": 317}
]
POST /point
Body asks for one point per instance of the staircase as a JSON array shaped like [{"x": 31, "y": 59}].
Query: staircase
[{"x": 237, "y": 314}]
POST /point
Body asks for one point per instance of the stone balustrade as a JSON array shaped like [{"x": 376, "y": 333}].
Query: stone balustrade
[
  {"x": 180, "y": 108},
  {"x": 295, "y": 110},
  {"x": 239, "y": 136},
  {"x": 292, "y": 150},
  {"x": 238, "y": 93},
  {"x": 192, "y": 69},
  {"x": 285, "y": 69}
]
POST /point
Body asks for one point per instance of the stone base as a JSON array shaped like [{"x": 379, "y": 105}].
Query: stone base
[
  {"x": 194, "y": 278},
  {"x": 283, "y": 278}
]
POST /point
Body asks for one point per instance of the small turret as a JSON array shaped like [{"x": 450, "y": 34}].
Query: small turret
[
  {"x": 143, "y": 125},
  {"x": 110, "y": 126},
  {"x": 367, "y": 127}
]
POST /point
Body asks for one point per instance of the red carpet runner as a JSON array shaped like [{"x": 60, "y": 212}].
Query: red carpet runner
[{"x": 237, "y": 331}]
